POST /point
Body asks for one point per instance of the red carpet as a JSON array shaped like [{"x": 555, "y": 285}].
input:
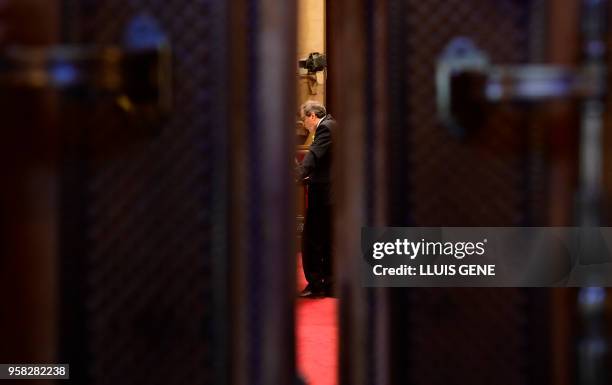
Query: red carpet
[{"x": 316, "y": 337}]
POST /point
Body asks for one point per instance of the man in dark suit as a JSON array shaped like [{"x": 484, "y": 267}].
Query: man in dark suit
[{"x": 315, "y": 171}]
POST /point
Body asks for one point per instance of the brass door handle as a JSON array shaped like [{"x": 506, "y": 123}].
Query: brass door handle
[
  {"x": 466, "y": 82},
  {"x": 137, "y": 76}
]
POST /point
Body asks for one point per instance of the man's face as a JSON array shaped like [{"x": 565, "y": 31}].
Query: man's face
[{"x": 310, "y": 122}]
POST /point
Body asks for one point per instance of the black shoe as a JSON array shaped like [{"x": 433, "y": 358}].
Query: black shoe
[
  {"x": 307, "y": 292},
  {"x": 310, "y": 292}
]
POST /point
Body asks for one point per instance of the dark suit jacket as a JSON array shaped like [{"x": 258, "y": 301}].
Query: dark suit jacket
[{"x": 316, "y": 166}]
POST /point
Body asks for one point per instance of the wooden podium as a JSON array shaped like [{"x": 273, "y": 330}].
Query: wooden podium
[{"x": 302, "y": 190}]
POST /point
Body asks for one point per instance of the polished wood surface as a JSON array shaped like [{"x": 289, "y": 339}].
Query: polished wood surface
[{"x": 301, "y": 191}]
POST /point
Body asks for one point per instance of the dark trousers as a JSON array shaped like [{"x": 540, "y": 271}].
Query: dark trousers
[{"x": 317, "y": 237}]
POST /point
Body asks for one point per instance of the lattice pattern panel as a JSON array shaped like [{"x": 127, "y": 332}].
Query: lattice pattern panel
[
  {"x": 482, "y": 180},
  {"x": 149, "y": 275},
  {"x": 491, "y": 178},
  {"x": 470, "y": 335}
]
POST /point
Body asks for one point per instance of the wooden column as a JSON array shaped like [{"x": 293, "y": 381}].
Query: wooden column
[
  {"x": 28, "y": 199},
  {"x": 261, "y": 119},
  {"x": 563, "y": 43}
]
